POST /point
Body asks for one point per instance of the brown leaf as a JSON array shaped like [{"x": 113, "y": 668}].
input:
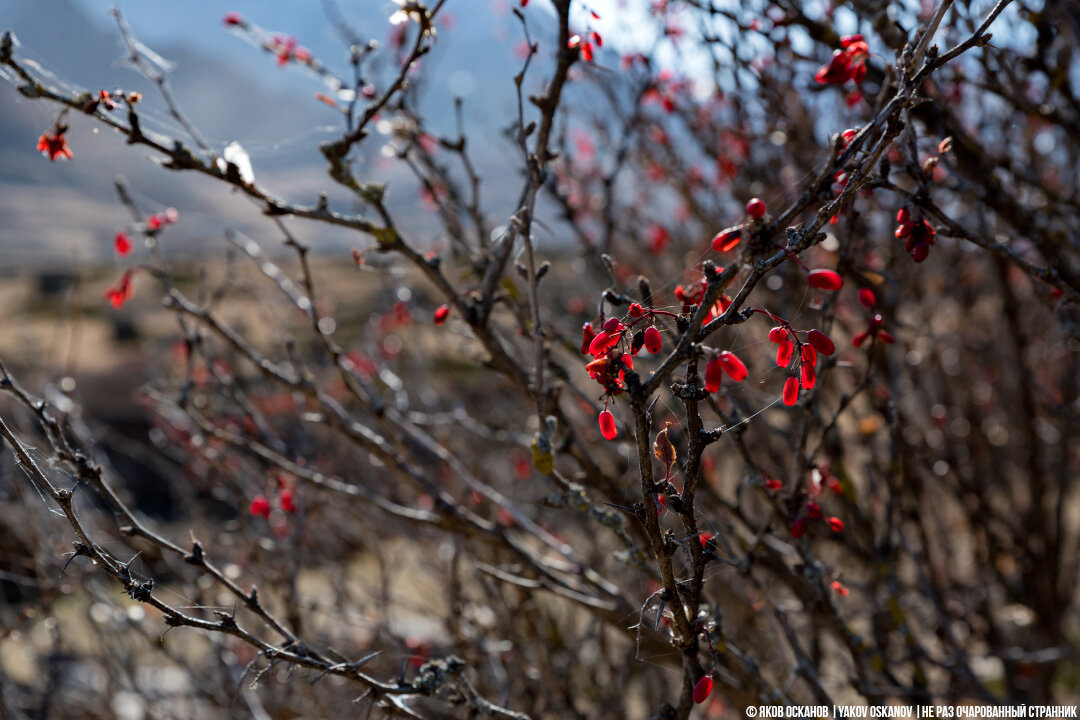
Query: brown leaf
[{"x": 663, "y": 449}]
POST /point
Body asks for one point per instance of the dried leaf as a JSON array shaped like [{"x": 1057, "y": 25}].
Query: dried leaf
[{"x": 663, "y": 449}]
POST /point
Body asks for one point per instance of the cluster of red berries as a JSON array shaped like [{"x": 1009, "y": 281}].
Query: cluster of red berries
[
  {"x": 787, "y": 341},
  {"x": 613, "y": 353},
  {"x": 813, "y": 512},
  {"x": 725, "y": 362},
  {"x": 728, "y": 239},
  {"x": 691, "y": 294},
  {"x": 848, "y": 63},
  {"x": 873, "y": 329},
  {"x": 260, "y": 506},
  {"x": 284, "y": 47},
  {"x": 822, "y": 480},
  {"x": 919, "y": 232},
  {"x": 124, "y": 289},
  {"x": 588, "y": 44},
  {"x": 159, "y": 220}
]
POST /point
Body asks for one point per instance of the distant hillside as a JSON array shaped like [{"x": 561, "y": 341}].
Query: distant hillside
[{"x": 233, "y": 91}]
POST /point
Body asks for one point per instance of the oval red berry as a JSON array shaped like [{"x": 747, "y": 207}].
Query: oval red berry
[
  {"x": 714, "y": 374},
  {"x": 733, "y": 366},
  {"x": 821, "y": 342},
  {"x": 726, "y": 240},
  {"x": 607, "y": 425},
  {"x": 653, "y": 341},
  {"x": 702, "y": 689},
  {"x": 598, "y": 344},
  {"x": 791, "y": 390},
  {"x": 866, "y": 297},
  {"x": 755, "y": 208},
  {"x": 825, "y": 279}
]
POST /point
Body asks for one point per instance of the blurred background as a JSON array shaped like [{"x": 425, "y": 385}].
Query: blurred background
[{"x": 950, "y": 456}]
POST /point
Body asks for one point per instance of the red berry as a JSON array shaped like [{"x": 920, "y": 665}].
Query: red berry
[
  {"x": 836, "y": 524},
  {"x": 122, "y": 244},
  {"x": 903, "y": 217},
  {"x": 733, "y": 366},
  {"x": 714, "y": 374},
  {"x": 798, "y": 528},
  {"x": 653, "y": 341},
  {"x": 286, "y": 501},
  {"x": 928, "y": 232},
  {"x": 821, "y": 342},
  {"x": 260, "y": 506},
  {"x": 635, "y": 310},
  {"x": 813, "y": 510},
  {"x": 825, "y": 279},
  {"x": 587, "y": 335},
  {"x": 233, "y": 18},
  {"x": 755, "y": 208},
  {"x": 808, "y": 376},
  {"x": 784, "y": 352},
  {"x": 421, "y": 650},
  {"x": 598, "y": 344},
  {"x": 702, "y": 689},
  {"x": 726, "y": 240},
  {"x": 839, "y": 589},
  {"x": 808, "y": 355},
  {"x": 441, "y": 313},
  {"x": 791, "y": 390},
  {"x": 704, "y": 538},
  {"x": 866, "y": 297},
  {"x": 859, "y": 339},
  {"x": 778, "y": 334},
  {"x": 607, "y": 425}
]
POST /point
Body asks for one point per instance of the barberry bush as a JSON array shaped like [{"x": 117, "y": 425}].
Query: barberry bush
[{"x": 763, "y": 388}]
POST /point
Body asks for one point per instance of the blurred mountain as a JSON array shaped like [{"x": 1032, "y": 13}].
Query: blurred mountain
[{"x": 231, "y": 90}]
